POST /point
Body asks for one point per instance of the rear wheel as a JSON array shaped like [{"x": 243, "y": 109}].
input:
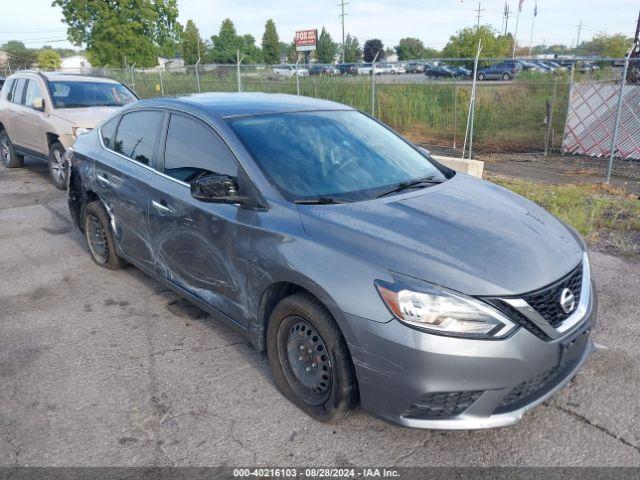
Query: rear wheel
[
  {"x": 97, "y": 231},
  {"x": 506, "y": 77},
  {"x": 481, "y": 76},
  {"x": 309, "y": 358},
  {"x": 58, "y": 166},
  {"x": 9, "y": 157}
]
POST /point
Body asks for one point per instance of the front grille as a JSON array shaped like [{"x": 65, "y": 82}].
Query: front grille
[
  {"x": 547, "y": 300},
  {"x": 441, "y": 405},
  {"x": 517, "y": 317}
]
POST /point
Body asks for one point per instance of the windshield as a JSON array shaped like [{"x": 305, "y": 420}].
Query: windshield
[
  {"x": 73, "y": 94},
  {"x": 342, "y": 154}
]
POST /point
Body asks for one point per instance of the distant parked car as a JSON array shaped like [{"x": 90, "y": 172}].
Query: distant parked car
[
  {"x": 461, "y": 72},
  {"x": 528, "y": 66},
  {"x": 366, "y": 68},
  {"x": 500, "y": 71},
  {"x": 289, "y": 71},
  {"x": 544, "y": 66},
  {"x": 588, "y": 67},
  {"x": 414, "y": 67},
  {"x": 42, "y": 114},
  {"x": 392, "y": 68},
  {"x": 324, "y": 70},
  {"x": 347, "y": 69},
  {"x": 440, "y": 72}
]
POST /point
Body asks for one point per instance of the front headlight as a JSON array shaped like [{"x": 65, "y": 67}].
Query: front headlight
[
  {"x": 80, "y": 130},
  {"x": 443, "y": 312}
]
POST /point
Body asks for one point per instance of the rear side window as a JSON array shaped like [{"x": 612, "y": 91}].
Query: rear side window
[
  {"x": 108, "y": 133},
  {"x": 193, "y": 149},
  {"x": 18, "y": 91},
  {"x": 137, "y": 135}
]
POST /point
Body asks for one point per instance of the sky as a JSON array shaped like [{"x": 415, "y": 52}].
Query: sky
[{"x": 432, "y": 21}]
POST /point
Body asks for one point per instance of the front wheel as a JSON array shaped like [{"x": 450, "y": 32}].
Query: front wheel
[
  {"x": 481, "y": 76},
  {"x": 9, "y": 157},
  {"x": 506, "y": 77},
  {"x": 310, "y": 360},
  {"x": 58, "y": 166}
]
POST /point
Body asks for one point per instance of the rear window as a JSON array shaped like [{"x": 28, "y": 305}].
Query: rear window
[{"x": 74, "y": 94}]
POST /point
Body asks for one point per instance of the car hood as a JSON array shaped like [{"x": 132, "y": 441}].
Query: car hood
[
  {"x": 465, "y": 234},
  {"x": 84, "y": 117}
]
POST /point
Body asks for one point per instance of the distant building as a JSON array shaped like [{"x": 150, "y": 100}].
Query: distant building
[
  {"x": 75, "y": 64},
  {"x": 173, "y": 64},
  {"x": 392, "y": 58}
]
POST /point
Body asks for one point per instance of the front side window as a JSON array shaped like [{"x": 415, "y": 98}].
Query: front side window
[
  {"x": 137, "y": 135},
  {"x": 32, "y": 93},
  {"x": 75, "y": 94},
  {"x": 338, "y": 153},
  {"x": 108, "y": 133},
  {"x": 193, "y": 149},
  {"x": 6, "y": 88}
]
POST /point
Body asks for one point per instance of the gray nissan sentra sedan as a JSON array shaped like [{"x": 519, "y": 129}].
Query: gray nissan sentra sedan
[{"x": 369, "y": 273}]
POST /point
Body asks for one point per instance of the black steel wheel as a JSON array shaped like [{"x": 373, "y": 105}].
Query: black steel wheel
[
  {"x": 97, "y": 231},
  {"x": 310, "y": 359}
]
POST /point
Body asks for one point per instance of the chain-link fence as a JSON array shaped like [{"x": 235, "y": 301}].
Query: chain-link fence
[{"x": 519, "y": 109}]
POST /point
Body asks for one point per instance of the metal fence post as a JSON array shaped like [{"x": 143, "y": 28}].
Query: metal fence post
[
  {"x": 133, "y": 81},
  {"x": 472, "y": 105},
  {"x": 550, "y": 117},
  {"x": 455, "y": 112},
  {"x": 616, "y": 126},
  {"x": 161, "y": 83},
  {"x": 238, "y": 60},
  {"x": 373, "y": 85},
  {"x": 297, "y": 78}
]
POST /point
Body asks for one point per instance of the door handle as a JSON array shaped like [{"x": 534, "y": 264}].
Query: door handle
[
  {"x": 161, "y": 207},
  {"x": 104, "y": 180}
]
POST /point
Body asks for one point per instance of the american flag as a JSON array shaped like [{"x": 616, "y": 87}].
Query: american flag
[
  {"x": 535, "y": 10},
  {"x": 520, "y": 5}
]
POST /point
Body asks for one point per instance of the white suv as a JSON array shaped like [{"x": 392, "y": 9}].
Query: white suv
[{"x": 42, "y": 114}]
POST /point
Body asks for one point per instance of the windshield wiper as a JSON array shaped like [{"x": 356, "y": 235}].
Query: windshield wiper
[
  {"x": 322, "y": 200},
  {"x": 408, "y": 184}
]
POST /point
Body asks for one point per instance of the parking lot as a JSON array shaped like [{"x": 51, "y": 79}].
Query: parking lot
[{"x": 103, "y": 367}]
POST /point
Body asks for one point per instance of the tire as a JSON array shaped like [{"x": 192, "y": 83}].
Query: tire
[
  {"x": 58, "y": 168},
  {"x": 329, "y": 390},
  {"x": 506, "y": 77},
  {"x": 481, "y": 76},
  {"x": 97, "y": 232},
  {"x": 10, "y": 158}
]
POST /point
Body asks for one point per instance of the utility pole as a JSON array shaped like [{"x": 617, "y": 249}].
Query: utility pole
[
  {"x": 515, "y": 34},
  {"x": 506, "y": 16},
  {"x": 342, "y": 14},
  {"x": 479, "y": 14},
  {"x": 580, "y": 27}
]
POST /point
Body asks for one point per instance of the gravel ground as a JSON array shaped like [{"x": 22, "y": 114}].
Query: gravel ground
[{"x": 108, "y": 368}]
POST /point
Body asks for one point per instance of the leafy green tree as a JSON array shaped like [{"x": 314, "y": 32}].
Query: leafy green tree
[
  {"x": 326, "y": 48},
  {"x": 49, "y": 59},
  {"x": 352, "y": 50},
  {"x": 19, "y": 55},
  {"x": 371, "y": 47},
  {"x": 410, "y": 49},
  {"x": 119, "y": 31},
  {"x": 464, "y": 44},
  {"x": 270, "y": 44},
  {"x": 227, "y": 43},
  {"x": 612, "y": 46},
  {"x": 430, "y": 53},
  {"x": 292, "y": 53},
  {"x": 192, "y": 47}
]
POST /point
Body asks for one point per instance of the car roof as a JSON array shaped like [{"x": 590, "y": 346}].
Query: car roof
[
  {"x": 227, "y": 105},
  {"x": 71, "y": 77}
]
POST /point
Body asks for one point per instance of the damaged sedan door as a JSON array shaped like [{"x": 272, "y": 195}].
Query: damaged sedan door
[{"x": 198, "y": 246}]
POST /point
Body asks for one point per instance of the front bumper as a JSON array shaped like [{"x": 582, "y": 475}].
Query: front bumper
[{"x": 474, "y": 384}]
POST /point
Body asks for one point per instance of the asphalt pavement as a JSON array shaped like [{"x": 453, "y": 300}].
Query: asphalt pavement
[{"x": 102, "y": 368}]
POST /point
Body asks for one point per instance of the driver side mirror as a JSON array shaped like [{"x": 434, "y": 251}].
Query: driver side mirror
[
  {"x": 216, "y": 188},
  {"x": 38, "y": 104}
]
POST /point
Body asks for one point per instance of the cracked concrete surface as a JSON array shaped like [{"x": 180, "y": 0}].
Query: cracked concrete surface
[{"x": 108, "y": 368}]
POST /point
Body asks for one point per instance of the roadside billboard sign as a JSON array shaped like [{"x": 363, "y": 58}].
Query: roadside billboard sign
[{"x": 306, "y": 40}]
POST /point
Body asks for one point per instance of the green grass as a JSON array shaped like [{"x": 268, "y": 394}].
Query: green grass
[
  {"x": 509, "y": 116},
  {"x": 599, "y": 212}
]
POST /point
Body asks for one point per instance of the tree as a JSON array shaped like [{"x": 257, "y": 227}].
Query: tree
[
  {"x": 121, "y": 31},
  {"x": 371, "y": 47},
  {"x": 19, "y": 55},
  {"x": 352, "y": 50},
  {"x": 49, "y": 59},
  {"x": 410, "y": 49},
  {"x": 464, "y": 44},
  {"x": 326, "y": 48},
  {"x": 227, "y": 43},
  {"x": 611, "y": 46},
  {"x": 192, "y": 47},
  {"x": 270, "y": 44}
]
